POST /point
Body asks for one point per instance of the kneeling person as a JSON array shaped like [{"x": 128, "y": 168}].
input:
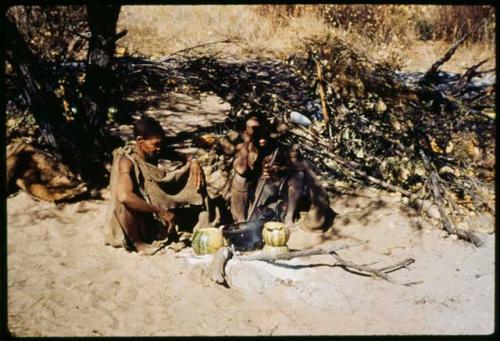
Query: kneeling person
[
  {"x": 288, "y": 179},
  {"x": 143, "y": 195}
]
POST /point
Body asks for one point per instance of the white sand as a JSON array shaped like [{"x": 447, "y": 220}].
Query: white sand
[{"x": 63, "y": 281}]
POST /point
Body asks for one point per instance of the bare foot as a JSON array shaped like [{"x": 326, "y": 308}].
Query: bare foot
[
  {"x": 176, "y": 247},
  {"x": 307, "y": 229},
  {"x": 289, "y": 223},
  {"x": 146, "y": 249}
]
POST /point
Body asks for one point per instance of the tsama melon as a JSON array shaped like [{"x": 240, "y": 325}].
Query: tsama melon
[
  {"x": 275, "y": 233},
  {"x": 275, "y": 250},
  {"x": 207, "y": 240}
]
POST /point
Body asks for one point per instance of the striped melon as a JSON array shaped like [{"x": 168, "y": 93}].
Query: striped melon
[
  {"x": 207, "y": 240},
  {"x": 275, "y": 250},
  {"x": 275, "y": 233}
]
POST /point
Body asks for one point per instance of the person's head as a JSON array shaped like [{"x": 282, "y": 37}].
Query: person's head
[
  {"x": 258, "y": 130},
  {"x": 149, "y": 135}
]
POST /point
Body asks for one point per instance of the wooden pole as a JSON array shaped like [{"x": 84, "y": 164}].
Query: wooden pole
[
  {"x": 260, "y": 188},
  {"x": 322, "y": 95}
]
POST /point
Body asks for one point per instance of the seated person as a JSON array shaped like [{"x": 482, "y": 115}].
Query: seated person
[
  {"x": 288, "y": 179},
  {"x": 144, "y": 195}
]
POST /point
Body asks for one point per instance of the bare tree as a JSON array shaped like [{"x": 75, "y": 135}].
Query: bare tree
[
  {"x": 102, "y": 43},
  {"x": 83, "y": 144},
  {"x": 37, "y": 91}
]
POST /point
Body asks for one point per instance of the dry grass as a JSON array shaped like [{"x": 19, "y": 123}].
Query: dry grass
[
  {"x": 172, "y": 28},
  {"x": 382, "y": 32},
  {"x": 421, "y": 55},
  {"x": 452, "y": 22}
]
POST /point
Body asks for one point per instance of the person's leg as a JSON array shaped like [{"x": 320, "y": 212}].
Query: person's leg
[
  {"x": 239, "y": 198},
  {"x": 268, "y": 201},
  {"x": 320, "y": 214},
  {"x": 296, "y": 184},
  {"x": 157, "y": 230},
  {"x": 132, "y": 224}
]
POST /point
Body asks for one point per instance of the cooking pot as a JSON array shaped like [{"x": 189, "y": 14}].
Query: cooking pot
[{"x": 245, "y": 236}]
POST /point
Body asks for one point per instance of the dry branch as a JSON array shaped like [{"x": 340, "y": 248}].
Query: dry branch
[
  {"x": 225, "y": 41},
  {"x": 353, "y": 167},
  {"x": 296, "y": 254},
  {"x": 478, "y": 192},
  {"x": 469, "y": 74},
  {"x": 438, "y": 199},
  {"x": 324, "y": 108},
  {"x": 435, "y": 67},
  {"x": 397, "y": 266},
  {"x": 216, "y": 269},
  {"x": 375, "y": 272}
]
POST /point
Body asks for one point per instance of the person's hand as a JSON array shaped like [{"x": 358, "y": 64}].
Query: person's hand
[
  {"x": 167, "y": 217},
  {"x": 196, "y": 173},
  {"x": 268, "y": 171},
  {"x": 247, "y": 138}
]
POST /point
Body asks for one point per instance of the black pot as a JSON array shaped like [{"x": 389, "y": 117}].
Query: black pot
[{"x": 245, "y": 236}]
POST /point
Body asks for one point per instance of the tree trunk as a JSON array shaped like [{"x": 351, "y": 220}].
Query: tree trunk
[
  {"x": 81, "y": 144},
  {"x": 38, "y": 93},
  {"x": 99, "y": 77}
]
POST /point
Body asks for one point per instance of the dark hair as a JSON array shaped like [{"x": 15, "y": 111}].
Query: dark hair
[
  {"x": 148, "y": 127},
  {"x": 259, "y": 116}
]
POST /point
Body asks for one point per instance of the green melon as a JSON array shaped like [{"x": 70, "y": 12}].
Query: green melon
[
  {"x": 275, "y": 234},
  {"x": 207, "y": 240}
]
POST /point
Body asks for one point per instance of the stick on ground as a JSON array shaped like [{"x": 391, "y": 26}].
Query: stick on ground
[
  {"x": 378, "y": 273},
  {"x": 217, "y": 274},
  {"x": 301, "y": 253},
  {"x": 438, "y": 199}
]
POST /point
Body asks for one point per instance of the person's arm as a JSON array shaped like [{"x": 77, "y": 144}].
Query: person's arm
[
  {"x": 195, "y": 171},
  {"x": 286, "y": 161},
  {"x": 240, "y": 163},
  {"x": 192, "y": 169},
  {"x": 125, "y": 193}
]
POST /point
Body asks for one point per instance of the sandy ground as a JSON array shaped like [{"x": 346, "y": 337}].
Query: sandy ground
[{"x": 63, "y": 280}]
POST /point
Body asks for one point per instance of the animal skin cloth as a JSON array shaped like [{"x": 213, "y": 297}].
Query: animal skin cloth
[
  {"x": 40, "y": 174},
  {"x": 168, "y": 187}
]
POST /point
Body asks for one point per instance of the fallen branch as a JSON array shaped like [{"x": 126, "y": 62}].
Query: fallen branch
[
  {"x": 216, "y": 269},
  {"x": 467, "y": 76},
  {"x": 296, "y": 254},
  {"x": 375, "y": 272},
  {"x": 435, "y": 67},
  {"x": 438, "y": 199},
  {"x": 478, "y": 192},
  {"x": 480, "y": 73},
  {"x": 397, "y": 266},
  {"x": 120, "y": 35},
  {"x": 225, "y": 41}
]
